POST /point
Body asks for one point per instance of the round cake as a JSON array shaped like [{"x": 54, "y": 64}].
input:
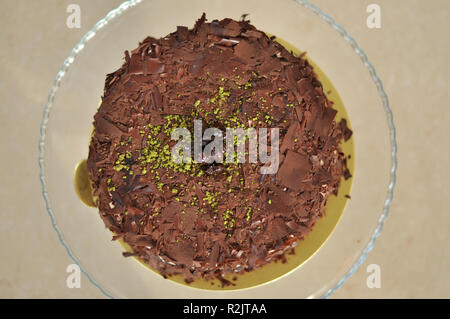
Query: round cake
[{"x": 208, "y": 217}]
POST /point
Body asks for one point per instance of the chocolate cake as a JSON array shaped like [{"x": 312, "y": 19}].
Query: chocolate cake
[{"x": 206, "y": 220}]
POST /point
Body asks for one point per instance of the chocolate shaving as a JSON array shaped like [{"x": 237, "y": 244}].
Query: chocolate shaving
[{"x": 294, "y": 170}]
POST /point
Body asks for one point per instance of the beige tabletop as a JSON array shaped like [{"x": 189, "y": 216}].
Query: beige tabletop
[{"x": 411, "y": 53}]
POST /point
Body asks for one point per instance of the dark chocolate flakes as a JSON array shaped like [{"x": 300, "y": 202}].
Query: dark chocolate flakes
[{"x": 203, "y": 220}]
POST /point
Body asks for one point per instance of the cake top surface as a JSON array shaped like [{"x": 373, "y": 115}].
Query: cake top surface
[{"x": 203, "y": 219}]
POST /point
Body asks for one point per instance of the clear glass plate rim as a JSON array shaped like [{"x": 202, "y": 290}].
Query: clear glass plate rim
[{"x": 307, "y": 5}]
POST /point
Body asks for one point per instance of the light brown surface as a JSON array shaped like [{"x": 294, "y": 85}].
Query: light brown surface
[{"x": 410, "y": 53}]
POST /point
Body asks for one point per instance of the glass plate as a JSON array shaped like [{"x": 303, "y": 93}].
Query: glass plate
[{"x": 73, "y": 100}]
